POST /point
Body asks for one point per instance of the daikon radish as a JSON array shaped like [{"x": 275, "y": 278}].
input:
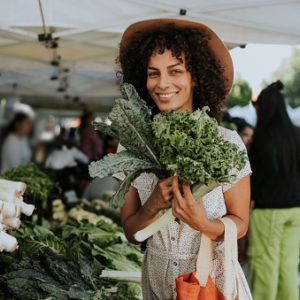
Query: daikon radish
[
  {"x": 9, "y": 209},
  {"x": 17, "y": 186},
  {"x": 12, "y": 222},
  {"x": 7, "y": 242}
]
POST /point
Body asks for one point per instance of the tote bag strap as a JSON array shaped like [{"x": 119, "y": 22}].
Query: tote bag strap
[
  {"x": 205, "y": 257},
  {"x": 231, "y": 256}
]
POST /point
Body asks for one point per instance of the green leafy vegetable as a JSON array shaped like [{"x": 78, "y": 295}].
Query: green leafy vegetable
[
  {"x": 38, "y": 182},
  {"x": 190, "y": 145}
]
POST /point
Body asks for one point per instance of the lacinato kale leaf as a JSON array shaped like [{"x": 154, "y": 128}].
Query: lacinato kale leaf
[{"x": 124, "y": 161}]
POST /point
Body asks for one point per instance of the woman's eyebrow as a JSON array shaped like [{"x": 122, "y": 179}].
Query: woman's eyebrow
[{"x": 169, "y": 67}]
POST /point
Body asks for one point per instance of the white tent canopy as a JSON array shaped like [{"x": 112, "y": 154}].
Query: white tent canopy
[{"x": 89, "y": 31}]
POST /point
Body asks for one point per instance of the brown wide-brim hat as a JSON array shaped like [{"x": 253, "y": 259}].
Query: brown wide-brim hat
[{"x": 215, "y": 44}]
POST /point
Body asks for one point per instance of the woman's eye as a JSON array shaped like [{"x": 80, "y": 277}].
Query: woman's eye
[
  {"x": 152, "y": 74},
  {"x": 176, "y": 71}
]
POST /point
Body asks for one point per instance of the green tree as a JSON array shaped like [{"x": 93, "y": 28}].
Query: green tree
[
  {"x": 240, "y": 93},
  {"x": 289, "y": 73}
]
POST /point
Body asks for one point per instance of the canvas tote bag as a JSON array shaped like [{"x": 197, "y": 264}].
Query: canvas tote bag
[{"x": 199, "y": 285}]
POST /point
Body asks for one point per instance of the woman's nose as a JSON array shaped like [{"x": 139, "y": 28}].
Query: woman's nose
[{"x": 164, "y": 82}]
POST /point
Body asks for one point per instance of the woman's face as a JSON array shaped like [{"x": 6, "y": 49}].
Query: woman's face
[
  {"x": 169, "y": 83},
  {"x": 24, "y": 127}
]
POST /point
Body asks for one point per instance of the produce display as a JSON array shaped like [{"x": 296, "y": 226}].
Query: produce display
[
  {"x": 38, "y": 183},
  {"x": 60, "y": 261},
  {"x": 39, "y": 187},
  {"x": 181, "y": 142},
  {"x": 11, "y": 207}
]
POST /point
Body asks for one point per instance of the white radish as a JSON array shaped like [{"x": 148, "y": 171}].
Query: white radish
[
  {"x": 7, "y": 195},
  {"x": 9, "y": 209},
  {"x": 7, "y": 242},
  {"x": 2, "y": 227},
  {"x": 26, "y": 209},
  {"x": 12, "y": 222},
  {"x": 17, "y": 186}
]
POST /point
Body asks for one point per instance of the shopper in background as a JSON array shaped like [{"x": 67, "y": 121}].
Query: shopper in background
[
  {"x": 15, "y": 149},
  {"x": 245, "y": 131},
  {"x": 90, "y": 143},
  {"x": 275, "y": 221}
]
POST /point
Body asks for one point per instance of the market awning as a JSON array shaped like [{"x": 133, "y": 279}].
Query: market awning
[{"x": 88, "y": 33}]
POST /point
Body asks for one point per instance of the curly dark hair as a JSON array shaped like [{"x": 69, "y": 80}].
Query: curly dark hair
[{"x": 205, "y": 70}]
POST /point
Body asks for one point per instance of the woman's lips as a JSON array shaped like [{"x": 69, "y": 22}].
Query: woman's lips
[{"x": 166, "y": 96}]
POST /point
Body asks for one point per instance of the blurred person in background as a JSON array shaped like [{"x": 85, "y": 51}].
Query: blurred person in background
[
  {"x": 275, "y": 220},
  {"x": 99, "y": 186},
  {"x": 90, "y": 143},
  {"x": 245, "y": 131},
  {"x": 15, "y": 149},
  {"x": 111, "y": 144}
]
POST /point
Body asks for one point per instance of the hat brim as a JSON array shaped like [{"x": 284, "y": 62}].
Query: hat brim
[{"x": 215, "y": 44}]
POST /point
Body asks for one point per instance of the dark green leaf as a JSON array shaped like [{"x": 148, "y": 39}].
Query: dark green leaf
[
  {"x": 105, "y": 129},
  {"x": 117, "y": 200},
  {"x": 119, "y": 162}
]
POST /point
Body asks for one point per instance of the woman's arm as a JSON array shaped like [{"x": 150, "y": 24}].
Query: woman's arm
[
  {"x": 136, "y": 217},
  {"x": 192, "y": 212}
]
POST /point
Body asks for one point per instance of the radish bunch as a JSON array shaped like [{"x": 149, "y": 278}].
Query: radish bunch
[{"x": 11, "y": 207}]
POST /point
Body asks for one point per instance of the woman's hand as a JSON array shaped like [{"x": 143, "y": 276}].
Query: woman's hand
[
  {"x": 162, "y": 194},
  {"x": 186, "y": 208}
]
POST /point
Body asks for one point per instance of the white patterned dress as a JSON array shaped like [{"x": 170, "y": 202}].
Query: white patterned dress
[{"x": 173, "y": 250}]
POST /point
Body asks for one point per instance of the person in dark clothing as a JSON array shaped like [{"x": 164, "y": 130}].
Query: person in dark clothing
[
  {"x": 90, "y": 143},
  {"x": 275, "y": 221},
  {"x": 245, "y": 131}
]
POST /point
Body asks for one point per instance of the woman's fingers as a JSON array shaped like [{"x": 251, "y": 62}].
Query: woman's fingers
[
  {"x": 167, "y": 194},
  {"x": 165, "y": 183},
  {"x": 176, "y": 191},
  {"x": 186, "y": 187}
]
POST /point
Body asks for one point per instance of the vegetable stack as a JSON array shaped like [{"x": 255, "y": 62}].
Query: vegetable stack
[
  {"x": 11, "y": 206},
  {"x": 181, "y": 142}
]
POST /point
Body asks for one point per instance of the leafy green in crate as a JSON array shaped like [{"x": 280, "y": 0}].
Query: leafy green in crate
[{"x": 47, "y": 275}]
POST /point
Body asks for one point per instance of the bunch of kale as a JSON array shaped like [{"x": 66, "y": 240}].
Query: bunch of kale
[{"x": 175, "y": 141}]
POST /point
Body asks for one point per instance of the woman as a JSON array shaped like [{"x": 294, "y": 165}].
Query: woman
[
  {"x": 90, "y": 143},
  {"x": 178, "y": 64},
  {"x": 275, "y": 221},
  {"x": 15, "y": 148}
]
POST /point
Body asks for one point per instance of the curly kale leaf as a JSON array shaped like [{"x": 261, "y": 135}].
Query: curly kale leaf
[{"x": 190, "y": 145}]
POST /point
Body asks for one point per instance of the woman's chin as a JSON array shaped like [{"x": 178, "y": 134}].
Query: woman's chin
[{"x": 167, "y": 106}]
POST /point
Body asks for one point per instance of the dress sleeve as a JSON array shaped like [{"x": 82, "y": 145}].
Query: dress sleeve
[
  {"x": 143, "y": 182},
  {"x": 236, "y": 139}
]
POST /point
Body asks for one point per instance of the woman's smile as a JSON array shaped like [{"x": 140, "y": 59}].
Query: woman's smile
[{"x": 166, "y": 96}]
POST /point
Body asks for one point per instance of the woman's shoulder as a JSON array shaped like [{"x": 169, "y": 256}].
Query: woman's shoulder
[
  {"x": 11, "y": 139},
  {"x": 232, "y": 136},
  {"x": 228, "y": 134}
]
